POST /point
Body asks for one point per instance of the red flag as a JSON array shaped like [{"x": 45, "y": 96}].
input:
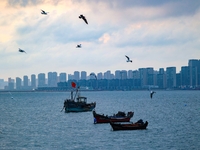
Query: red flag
[{"x": 73, "y": 84}]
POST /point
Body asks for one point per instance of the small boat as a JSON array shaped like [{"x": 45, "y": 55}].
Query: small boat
[
  {"x": 78, "y": 104},
  {"x": 119, "y": 117},
  {"x": 139, "y": 125}
]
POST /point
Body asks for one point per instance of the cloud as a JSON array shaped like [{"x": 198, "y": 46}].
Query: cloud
[{"x": 156, "y": 33}]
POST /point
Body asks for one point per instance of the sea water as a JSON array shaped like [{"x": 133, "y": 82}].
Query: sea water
[{"x": 33, "y": 120}]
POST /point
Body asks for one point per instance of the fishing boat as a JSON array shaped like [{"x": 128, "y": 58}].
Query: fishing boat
[
  {"x": 119, "y": 117},
  {"x": 139, "y": 125},
  {"x": 77, "y": 103}
]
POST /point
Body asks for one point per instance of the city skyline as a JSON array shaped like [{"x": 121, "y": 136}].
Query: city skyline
[
  {"x": 152, "y": 33},
  {"x": 164, "y": 77},
  {"x": 87, "y": 76}
]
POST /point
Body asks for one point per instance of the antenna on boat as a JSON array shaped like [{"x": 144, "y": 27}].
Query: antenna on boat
[{"x": 76, "y": 92}]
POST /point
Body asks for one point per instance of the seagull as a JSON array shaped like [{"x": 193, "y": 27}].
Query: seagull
[
  {"x": 22, "y": 51},
  {"x": 78, "y": 46},
  {"x": 151, "y": 94},
  {"x": 43, "y": 12},
  {"x": 83, "y": 17},
  {"x": 128, "y": 59}
]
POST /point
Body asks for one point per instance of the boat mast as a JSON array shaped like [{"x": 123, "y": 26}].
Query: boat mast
[{"x": 76, "y": 92}]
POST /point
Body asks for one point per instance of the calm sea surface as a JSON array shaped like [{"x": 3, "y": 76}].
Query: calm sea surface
[{"x": 33, "y": 120}]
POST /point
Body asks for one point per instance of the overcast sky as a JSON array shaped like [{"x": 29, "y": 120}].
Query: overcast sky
[{"x": 153, "y": 33}]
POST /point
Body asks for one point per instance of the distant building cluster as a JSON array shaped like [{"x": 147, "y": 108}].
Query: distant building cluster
[{"x": 187, "y": 78}]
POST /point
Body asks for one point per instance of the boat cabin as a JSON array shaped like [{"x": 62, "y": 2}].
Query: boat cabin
[{"x": 81, "y": 99}]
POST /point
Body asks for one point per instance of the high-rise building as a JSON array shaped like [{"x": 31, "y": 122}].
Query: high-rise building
[
  {"x": 194, "y": 72},
  {"x": 83, "y": 75},
  {"x": 1, "y": 83},
  {"x": 33, "y": 81},
  {"x": 107, "y": 75},
  {"x": 150, "y": 76},
  {"x": 41, "y": 80},
  {"x": 136, "y": 74},
  {"x": 52, "y": 79},
  {"x": 112, "y": 76},
  {"x": 99, "y": 76},
  {"x": 123, "y": 74},
  {"x": 130, "y": 74},
  {"x": 185, "y": 76},
  {"x": 70, "y": 77},
  {"x": 161, "y": 71},
  {"x": 25, "y": 81},
  {"x": 18, "y": 83},
  {"x": 10, "y": 84},
  {"x": 62, "y": 77},
  {"x": 171, "y": 77},
  {"x": 117, "y": 74},
  {"x": 143, "y": 76},
  {"x": 161, "y": 78},
  {"x": 178, "y": 80},
  {"x": 76, "y": 75}
]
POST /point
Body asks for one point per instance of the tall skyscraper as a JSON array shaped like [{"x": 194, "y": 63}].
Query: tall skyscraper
[
  {"x": 62, "y": 77},
  {"x": 194, "y": 72},
  {"x": 70, "y": 77},
  {"x": 136, "y": 74},
  {"x": 41, "y": 80},
  {"x": 18, "y": 83},
  {"x": 107, "y": 75},
  {"x": 123, "y": 74},
  {"x": 171, "y": 77},
  {"x": 117, "y": 74},
  {"x": 76, "y": 75},
  {"x": 25, "y": 81},
  {"x": 33, "y": 81},
  {"x": 161, "y": 78},
  {"x": 130, "y": 74},
  {"x": 150, "y": 76},
  {"x": 52, "y": 79},
  {"x": 161, "y": 71},
  {"x": 143, "y": 76},
  {"x": 83, "y": 75},
  {"x": 185, "y": 76},
  {"x": 99, "y": 76},
  {"x": 10, "y": 84}
]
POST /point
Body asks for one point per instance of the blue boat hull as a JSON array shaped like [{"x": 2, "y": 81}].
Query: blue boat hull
[{"x": 79, "y": 109}]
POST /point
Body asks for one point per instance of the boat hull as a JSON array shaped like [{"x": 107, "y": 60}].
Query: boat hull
[
  {"x": 107, "y": 119},
  {"x": 72, "y": 106},
  {"x": 78, "y": 109},
  {"x": 133, "y": 126}
]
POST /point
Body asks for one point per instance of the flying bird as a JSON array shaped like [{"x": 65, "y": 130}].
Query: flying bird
[
  {"x": 83, "y": 17},
  {"x": 43, "y": 12},
  {"x": 151, "y": 94},
  {"x": 78, "y": 46},
  {"x": 22, "y": 51},
  {"x": 128, "y": 59}
]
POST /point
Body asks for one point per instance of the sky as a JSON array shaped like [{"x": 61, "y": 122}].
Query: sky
[{"x": 152, "y": 33}]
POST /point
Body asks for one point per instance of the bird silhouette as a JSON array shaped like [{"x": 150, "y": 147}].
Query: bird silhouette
[
  {"x": 151, "y": 94},
  {"x": 83, "y": 17},
  {"x": 22, "y": 51},
  {"x": 43, "y": 12},
  {"x": 128, "y": 59},
  {"x": 78, "y": 46}
]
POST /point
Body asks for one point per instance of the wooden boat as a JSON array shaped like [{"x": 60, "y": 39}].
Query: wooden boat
[
  {"x": 119, "y": 117},
  {"x": 78, "y": 104},
  {"x": 139, "y": 125}
]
